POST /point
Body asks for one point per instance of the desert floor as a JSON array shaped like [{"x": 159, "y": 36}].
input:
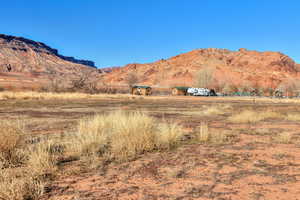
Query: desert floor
[{"x": 261, "y": 161}]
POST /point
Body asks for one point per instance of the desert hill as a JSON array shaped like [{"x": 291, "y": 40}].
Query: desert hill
[
  {"x": 29, "y": 64},
  {"x": 242, "y": 67},
  {"x": 25, "y": 63}
]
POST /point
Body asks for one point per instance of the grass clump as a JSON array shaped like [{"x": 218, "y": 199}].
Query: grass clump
[
  {"x": 293, "y": 117},
  {"x": 19, "y": 185},
  {"x": 250, "y": 116},
  {"x": 18, "y": 177},
  {"x": 41, "y": 158},
  {"x": 122, "y": 136},
  {"x": 207, "y": 136},
  {"x": 283, "y": 138},
  {"x": 11, "y": 143}
]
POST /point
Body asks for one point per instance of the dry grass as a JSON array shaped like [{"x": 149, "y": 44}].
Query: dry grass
[
  {"x": 41, "y": 159},
  {"x": 249, "y": 116},
  {"x": 293, "y": 117},
  {"x": 122, "y": 136},
  {"x": 11, "y": 142},
  {"x": 211, "y": 110},
  {"x": 19, "y": 185},
  {"x": 283, "y": 138},
  {"x": 205, "y": 135},
  {"x": 51, "y": 95},
  {"x": 22, "y": 165}
]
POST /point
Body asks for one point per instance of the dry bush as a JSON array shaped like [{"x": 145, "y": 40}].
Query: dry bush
[
  {"x": 122, "y": 136},
  {"x": 41, "y": 158},
  {"x": 19, "y": 185},
  {"x": 11, "y": 142},
  {"x": 293, "y": 117},
  {"x": 249, "y": 116},
  {"x": 283, "y": 138},
  {"x": 204, "y": 135},
  {"x": 132, "y": 79}
]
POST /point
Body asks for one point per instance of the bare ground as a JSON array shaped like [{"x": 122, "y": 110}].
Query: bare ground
[{"x": 252, "y": 167}]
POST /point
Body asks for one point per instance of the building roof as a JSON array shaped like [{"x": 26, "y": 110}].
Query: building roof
[{"x": 141, "y": 86}]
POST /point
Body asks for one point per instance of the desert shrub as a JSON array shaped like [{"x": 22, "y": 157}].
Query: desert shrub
[
  {"x": 249, "y": 116},
  {"x": 122, "y": 136},
  {"x": 11, "y": 141}
]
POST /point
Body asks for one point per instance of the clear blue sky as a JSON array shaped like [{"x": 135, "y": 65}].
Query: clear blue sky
[{"x": 118, "y": 32}]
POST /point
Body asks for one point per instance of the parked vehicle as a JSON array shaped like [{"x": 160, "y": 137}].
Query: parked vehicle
[{"x": 201, "y": 92}]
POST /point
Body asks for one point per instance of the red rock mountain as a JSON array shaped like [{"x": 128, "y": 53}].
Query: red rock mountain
[
  {"x": 263, "y": 69},
  {"x": 28, "y": 64}
]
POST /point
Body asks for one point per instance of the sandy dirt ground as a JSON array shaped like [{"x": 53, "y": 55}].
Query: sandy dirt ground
[{"x": 252, "y": 167}]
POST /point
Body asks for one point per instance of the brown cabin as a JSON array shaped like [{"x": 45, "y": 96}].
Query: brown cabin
[
  {"x": 141, "y": 90},
  {"x": 179, "y": 91}
]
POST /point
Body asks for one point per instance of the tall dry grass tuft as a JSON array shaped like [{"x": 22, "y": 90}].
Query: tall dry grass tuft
[
  {"x": 41, "y": 158},
  {"x": 18, "y": 181},
  {"x": 19, "y": 185},
  {"x": 11, "y": 142},
  {"x": 249, "y": 116},
  {"x": 122, "y": 136},
  {"x": 216, "y": 137},
  {"x": 169, "y": 135}
]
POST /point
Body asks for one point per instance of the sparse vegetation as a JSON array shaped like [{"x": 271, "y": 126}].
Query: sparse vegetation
[
  {"x": 283, "y": 138},
  {"x": 293, "y": 117},
  {"x": 250, "y": 116},
  {"x": 205, "y": 135},
  {"x": 11, "y": 137},
  {"x": 122, "y": 136},
  {"x": 102, "y": 144}
]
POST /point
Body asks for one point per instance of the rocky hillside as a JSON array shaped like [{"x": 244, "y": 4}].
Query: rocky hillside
[
  {"x": 242, "y": 67},
  {"x": 26, "y": 63}
]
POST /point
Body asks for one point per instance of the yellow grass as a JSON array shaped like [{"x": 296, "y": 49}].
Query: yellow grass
[
  {"x": 123, "y": 136},
  {"x": 41, "y": 159},
  {"x": 18, "y": 181},
  {"x": 51, "y": 95},
  {"x": 283, "y": 138},
  {"x": 19, "y": 185},
  {"x": 293, "y": 117},
  {"x": 211, "y": 110},
  {"x": 11, "y": 141},
  {"x": 204, "y": 135},
  {"x": 249, "y": 116}
]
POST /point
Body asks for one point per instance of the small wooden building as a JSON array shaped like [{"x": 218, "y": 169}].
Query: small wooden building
[
  {"x": 141, "y": 90},
  {"x": 179, "y": 91}
]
